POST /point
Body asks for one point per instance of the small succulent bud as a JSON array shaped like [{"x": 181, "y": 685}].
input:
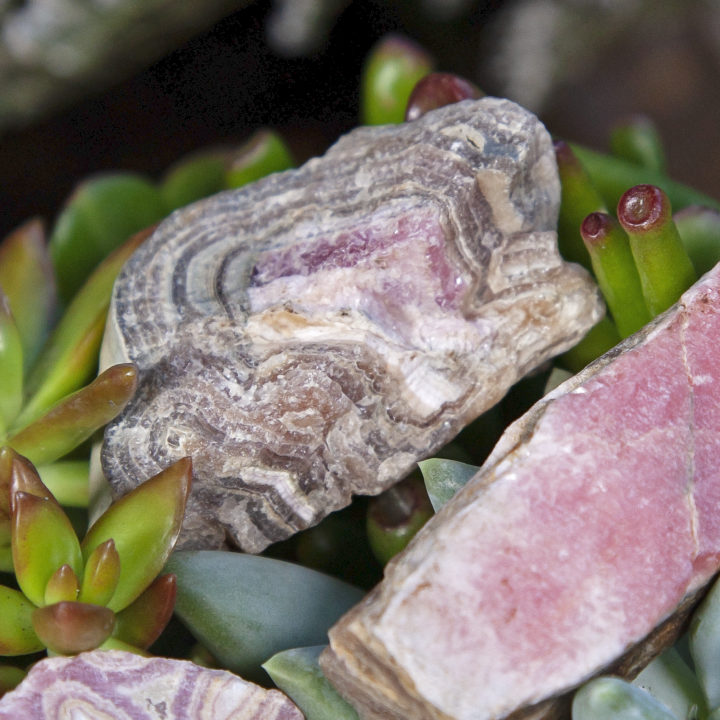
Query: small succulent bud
[
  {"x": 663, "y": 264},
  {"x": 391, "y": 71},
  {"x": 102, "y": 572},
  {"x": 615, "y": 271},
  {"x": 67, "y": 628},
  {"x": 395, "y": 516},
  {"x": 62, "y": 586},
  {"x": 437, "y": 90}
]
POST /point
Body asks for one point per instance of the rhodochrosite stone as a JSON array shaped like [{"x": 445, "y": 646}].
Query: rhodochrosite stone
[
  {"x": 578, "y": 547},
  {"x": 312, "y": 335},
  {"x": 115, "y": 685}
]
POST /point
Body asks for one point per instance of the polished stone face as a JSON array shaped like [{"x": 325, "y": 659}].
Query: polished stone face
[{"x": 313, "y": 335}]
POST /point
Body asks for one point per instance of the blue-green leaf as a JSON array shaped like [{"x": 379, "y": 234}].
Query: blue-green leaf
[
  {"x": 610, "y": 698},
  {"x": 705, "y": 645},
  {"x": 297, "y": 673},
  {"x": 245, "y": 608},
  {"x": 443, "y": 478}
]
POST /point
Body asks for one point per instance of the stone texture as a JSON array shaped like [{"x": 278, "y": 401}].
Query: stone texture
[
  {"x": 579, "y": 547},
  {"x": 115, "y": 685},
  {"x": 313, "y": 335}
]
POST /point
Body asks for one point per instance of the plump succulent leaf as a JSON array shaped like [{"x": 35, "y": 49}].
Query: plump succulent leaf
[
  {"x": 194, "y": 177},
  {"x": 68, "y": 481},
  {"x": 144, "y": 524},
  {"x": 245, "y": 608},
  {"x": 264, "y": 153},
  {"x": 26, "y": 277},
  {"x": 70, "y": 358},
  {"x": 297, "y": 673},
  {"x": 699, "y": 229},
  {"x": 101, "y": 574},
  {"x": 141, "y": 623},
  {"x": 43, "y": 539},
  {"x": 443, "y": 478},
  {"x": 63, "y": 586},
  {"x": 74, "y": 419},
  {"x": 10, "y": 678},
  {"x": 17, "y": 636},
  {"x": 67, "y": 628},
  {"x": 391, "y": 71},
  {"x": 100, "y": 215},
  {"x": 610, "y": 697},
  {"x": 11, "y": 366},
  {"x": 669, "y": 679}
]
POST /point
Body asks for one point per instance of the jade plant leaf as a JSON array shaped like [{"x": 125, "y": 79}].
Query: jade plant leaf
[
  {"x": 264, "y": 153},
  {"x": 17, "y": 636},
  {"x": 144, "y": 524},
  {"x": 297, "y": 673},
  {"x": 443, "y": 478},
  {"x": 101, "y": 214},
  {"x": 611, "y": 697},
  {"x": 69, "y": 359},
  {"x": 74, "y": 419},
  {"x": 246, "y": 608},
  {"x": 193, "y": 177},
  {"x": 26, "y": 277},
  {"x": 669, "y": 679},
  {"x": 67, "y": 628}
]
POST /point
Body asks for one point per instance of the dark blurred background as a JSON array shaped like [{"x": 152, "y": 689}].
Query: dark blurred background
[{"x": 172, "y": 80}]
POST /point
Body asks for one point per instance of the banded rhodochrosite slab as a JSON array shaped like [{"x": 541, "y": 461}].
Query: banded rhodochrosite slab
[
  {"x": 314, "y": 334},
  {"x": 116, "y": 685},
  {"x": 578, "y": 547}
]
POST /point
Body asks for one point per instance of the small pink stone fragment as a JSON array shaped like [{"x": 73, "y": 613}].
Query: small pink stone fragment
[{"x": 115, "y": 685}]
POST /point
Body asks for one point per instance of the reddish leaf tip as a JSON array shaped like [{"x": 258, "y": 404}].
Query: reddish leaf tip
[
  {"x": 643, "y": 208},
  {"x": 595, "y": 227}
]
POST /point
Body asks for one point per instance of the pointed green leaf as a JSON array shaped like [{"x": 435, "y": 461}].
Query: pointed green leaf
[
  {"x": 43, "y": 539},
  {"x": 100, "y": 215},
  {"x": 11, "y": 366},
  {"x": 144, "y": 524},
  {"x": 67, "y": 628},
  {"x": 17, "y": 636},
  {"x": 102, "y": 572},
  {"x": 70, "y": 358},
  {"x": 196, "y": 176},
  {"x": 74, "y": 419},
  {"x": 245, "y": 609},
  {"x": 23, "y": 476},
  {"x": 297, "y": 673},
  {"x": 27, "y": 278},
  {"x": 669, "y": 679},
  {"x": 609, "y": 697},
  {"x": 62, "y": 586},
  {"x": 264, "y": 153},
  {"x": 443, "y": 478},
  {"x": 141, "y": 622},
  {"x": 68, "y": 481}
]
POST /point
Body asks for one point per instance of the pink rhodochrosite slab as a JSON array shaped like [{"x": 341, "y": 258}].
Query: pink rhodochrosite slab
[
  {"x": 313, "y": 335},
  {"x": 116, "y": 685},
  {"x": 579, "y": 546}
]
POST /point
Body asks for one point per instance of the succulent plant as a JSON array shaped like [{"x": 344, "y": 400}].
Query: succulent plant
[{"x": 102, "y": 592}]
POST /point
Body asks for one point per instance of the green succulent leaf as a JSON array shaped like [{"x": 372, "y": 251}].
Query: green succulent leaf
[
  {"x": 610, "y": 697},
  {"x": 391, "y": 71},
  {"x": 62, "y": 586},
  {"x": 100, "y": 215},
  {"x": 443, "y": 478},
  {"x": 264, "y": 153},
  {"x": 141, "y": 623},
  {"x": 297, "y": 673},
  {"x": 197, "y": 176},
  {"x": 17, "y": 636},
  {"x": 67, "y": 628},
  {"x": 74, "y": 419},
  {"x": 10, "y": 678},
  {"x": 11, "y": 365},
  {"x": 70, "y": 358},
  {"x": 43, "y": 539},
  {"x": 669, "y": 679},
  {"x": 245, "y": 608},
  {"x": 26, "y": 277},
  {"x": 144, "y": 524},
  {"x": 102, "y": 572},
  {"x": 638, "y": 140},
  {"x": 699, "y": 229},
  {"x": 705, "y": 645},
  {"x": 68, "y": 481}
]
